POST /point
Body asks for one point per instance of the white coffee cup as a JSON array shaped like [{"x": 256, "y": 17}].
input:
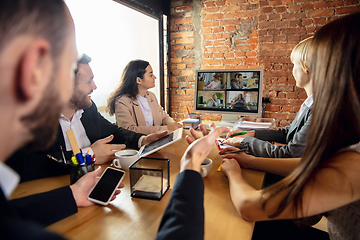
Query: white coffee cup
[
  {"x": 125, "y": 158},
  {"x": 206, "y": 167}
]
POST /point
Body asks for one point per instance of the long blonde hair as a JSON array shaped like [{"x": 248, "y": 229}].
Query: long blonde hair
[{"x": 335, "y": 73}]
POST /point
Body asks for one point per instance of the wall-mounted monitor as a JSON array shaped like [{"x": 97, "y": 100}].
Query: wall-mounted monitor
[{"x": 233, "y": 93}]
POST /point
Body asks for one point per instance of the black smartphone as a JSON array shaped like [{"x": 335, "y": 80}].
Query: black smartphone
[{"x": 105, "y": 188}]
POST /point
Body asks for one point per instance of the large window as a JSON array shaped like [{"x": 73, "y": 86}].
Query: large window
[{"x": 113, "y": 34}]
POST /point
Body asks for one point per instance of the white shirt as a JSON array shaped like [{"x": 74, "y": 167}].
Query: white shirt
[
  {"x": 9, "y": 179},
  {"x": 145, "y": 108},
  {"x": 214, "y": 84},
  {"x": 307, "y": 103},
  {"x": 79, "y": 131}
]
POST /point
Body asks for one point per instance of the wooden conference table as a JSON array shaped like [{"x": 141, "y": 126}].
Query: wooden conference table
[{"x": 134, "y": 218}]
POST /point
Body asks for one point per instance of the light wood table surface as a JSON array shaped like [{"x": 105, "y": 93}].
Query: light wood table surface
[{"x": 134, "y": 218}]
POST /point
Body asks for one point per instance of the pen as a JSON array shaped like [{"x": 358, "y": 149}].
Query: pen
[
  {"x": 237, "y": 134},
  {"x": 88, "y": 158},
  {"x": 188, "y": 110},
  {"x": 218, "y": 146},
  {"x": 51, "y": 157},
  {"x": 80, "y": 158},
  {"x": 237, "y": 151},
  {"x": 73, "y": 159},
  {"x": 62, "y": 153}
]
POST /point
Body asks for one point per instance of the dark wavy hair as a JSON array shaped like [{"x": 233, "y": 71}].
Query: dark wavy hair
[
  {"x": 334, "y": 56},
  {"x": 128, "y": 85}
]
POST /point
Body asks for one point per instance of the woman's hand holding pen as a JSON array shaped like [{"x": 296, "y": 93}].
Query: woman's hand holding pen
[
  {"x": 84, "y": 185},
  {"x": 242, "y": 158},
  {"x": 239, "y": 132},
  {"x": 235, "y": 137},
  {"x": 233, "y": 141},
  {"x": 228, "y": 149}
]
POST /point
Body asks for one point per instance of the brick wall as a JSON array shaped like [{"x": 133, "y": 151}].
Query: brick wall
[{"x": 233, "y": 34}]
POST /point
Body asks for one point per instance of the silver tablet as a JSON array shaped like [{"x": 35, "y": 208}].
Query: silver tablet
[{"x": 160, "y": 143}]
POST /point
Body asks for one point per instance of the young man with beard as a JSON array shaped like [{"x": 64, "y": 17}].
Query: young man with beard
[
  {"x": 37, "y": 50},
  {"x": 93, "y": 133}
]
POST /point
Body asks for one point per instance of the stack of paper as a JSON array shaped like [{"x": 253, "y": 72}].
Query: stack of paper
[
  {"x": 191, "y": 123},
  {"x": 254, "y": 125}
]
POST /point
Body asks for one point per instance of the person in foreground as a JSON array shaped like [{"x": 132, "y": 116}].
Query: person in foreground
[
  {"x": 135, "y": 107},
  {"x": 93, "y": 132},
  {"x": 327, "y": 178},
  {"x": 37, "y": 52},
  {"x": 292, "y": 137},
  {"x": 184, "y": 215}
]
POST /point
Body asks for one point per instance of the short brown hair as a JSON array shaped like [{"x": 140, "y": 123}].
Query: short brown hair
[{"x": 44, "y": 18}]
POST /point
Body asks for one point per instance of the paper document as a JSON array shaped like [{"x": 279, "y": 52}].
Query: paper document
[
  {"x": 191, "y": 120},
  {"x": 254, "y": 125}
]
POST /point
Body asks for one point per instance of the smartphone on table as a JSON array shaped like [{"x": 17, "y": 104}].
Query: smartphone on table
[{"x": 105, "y": 188}]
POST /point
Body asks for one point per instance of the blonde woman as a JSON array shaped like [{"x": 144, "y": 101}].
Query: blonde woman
[{"x": 293, "y": 136}]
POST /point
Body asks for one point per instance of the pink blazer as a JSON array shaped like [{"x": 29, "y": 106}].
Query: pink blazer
[{"x": 129, "y": 115}]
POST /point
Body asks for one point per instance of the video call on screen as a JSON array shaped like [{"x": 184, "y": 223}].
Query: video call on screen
[{"x": 233, "y": 91}]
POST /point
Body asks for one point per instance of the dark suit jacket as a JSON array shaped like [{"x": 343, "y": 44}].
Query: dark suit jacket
[
  {"x": 24, "y": 218},
  {"x": 293, "y": 136},
  {"x": 37, "y": 165},
  {"x": 184, "y": 215}
]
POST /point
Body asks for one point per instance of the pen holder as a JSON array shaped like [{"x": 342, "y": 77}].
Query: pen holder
[
  {"x": 195, "y": 116},
  {"x": 193, "y": 121},
  {"x": 149, "y": 178},
  {"x": 77, "y": 171}
]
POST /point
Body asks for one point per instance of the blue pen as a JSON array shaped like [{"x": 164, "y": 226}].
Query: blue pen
[
  {"x": 80, "y": 158},
  {"x": 88, "y": 158}
]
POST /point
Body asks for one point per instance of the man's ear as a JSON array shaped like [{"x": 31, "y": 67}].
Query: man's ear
[{"x": 34, "y": 69}]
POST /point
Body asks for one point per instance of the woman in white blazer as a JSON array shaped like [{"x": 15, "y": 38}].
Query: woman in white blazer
[{"x": 136, "y": 108}]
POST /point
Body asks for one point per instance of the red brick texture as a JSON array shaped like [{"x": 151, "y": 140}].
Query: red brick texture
[{"x": 238, "y": 34}]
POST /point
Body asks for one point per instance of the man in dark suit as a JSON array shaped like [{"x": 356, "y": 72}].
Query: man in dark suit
[
  {"x": 92, "y": 131},
  {"x": 37, "y": 50}
]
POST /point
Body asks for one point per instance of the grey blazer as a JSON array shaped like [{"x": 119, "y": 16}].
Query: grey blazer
[{"x": 293, "y": 136}]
